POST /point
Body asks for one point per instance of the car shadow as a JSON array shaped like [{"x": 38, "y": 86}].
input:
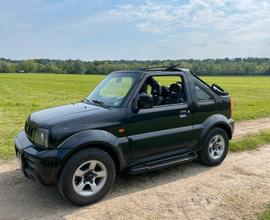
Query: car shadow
[
  {"x": 20, "y": 197},
  {"x": 126, "y": 184}
]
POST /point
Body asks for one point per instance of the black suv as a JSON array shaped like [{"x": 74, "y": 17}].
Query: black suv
[{"x": 133, "y": 121}]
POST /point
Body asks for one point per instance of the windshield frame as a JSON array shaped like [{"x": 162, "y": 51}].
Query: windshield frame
[{"x": 132, "y": 74}]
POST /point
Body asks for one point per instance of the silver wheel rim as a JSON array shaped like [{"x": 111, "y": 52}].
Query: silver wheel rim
[
  {"x": 216, "y": 147},
  {"x": 89, "y": 178}
]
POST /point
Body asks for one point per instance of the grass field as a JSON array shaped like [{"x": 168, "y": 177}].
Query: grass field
[
  {"x": 21, "y": 94},
  {"x": 250, "y": 141},
  {"x": 265, "y": 215}
]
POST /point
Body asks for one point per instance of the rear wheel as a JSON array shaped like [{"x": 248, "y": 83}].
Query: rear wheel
[
  {"x": 87, "y": 176},
  {"x": 215, "y": 147}
]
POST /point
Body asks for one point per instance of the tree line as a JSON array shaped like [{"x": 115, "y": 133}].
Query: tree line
[{"x": 226, "y": 66}]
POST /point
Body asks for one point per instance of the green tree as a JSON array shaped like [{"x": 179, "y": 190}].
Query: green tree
[{"x": 27, "y": 66}]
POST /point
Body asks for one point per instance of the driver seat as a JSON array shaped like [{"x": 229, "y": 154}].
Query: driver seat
[{"x": 175, "y": 92}]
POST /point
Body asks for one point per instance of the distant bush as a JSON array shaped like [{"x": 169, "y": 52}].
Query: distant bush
[{"x": 236, "y": 66}]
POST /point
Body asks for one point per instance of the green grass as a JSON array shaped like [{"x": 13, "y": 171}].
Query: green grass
[
  {"x": 265, "y": 215},
  {"x": 250, "y": 142},
  {"x": 21, "y": 94},
  {"x": 250, "y": 95}
]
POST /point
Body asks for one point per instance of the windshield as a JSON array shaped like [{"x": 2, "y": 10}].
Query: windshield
[{"x": 112, "y": 90}]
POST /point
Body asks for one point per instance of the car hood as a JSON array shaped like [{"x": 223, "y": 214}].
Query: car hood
[
  {"x": 64, "y": 121},
  {"x": 48, "y": 117}
]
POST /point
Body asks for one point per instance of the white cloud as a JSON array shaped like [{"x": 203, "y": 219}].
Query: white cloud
[
  {"x": 148, "y": 27},
  {"x": 216, "y": 15},
  {"x": 206, "y": 27},
  {"x": 102, "y": 30}
]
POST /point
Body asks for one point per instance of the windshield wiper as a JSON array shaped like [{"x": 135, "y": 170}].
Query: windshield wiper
[
  {"x": 86, "y": 100},
  {"x": 97, "y": 102}
]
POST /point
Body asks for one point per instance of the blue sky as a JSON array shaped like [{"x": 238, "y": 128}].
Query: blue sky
[{"x": 149, "y": 29}]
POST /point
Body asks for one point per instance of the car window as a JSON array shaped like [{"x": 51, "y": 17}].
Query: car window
[
  {"x": 112, "y": 90},
  {"x": 167, "y": 80},
  {"x": 164, "y": 90},
  {"x": 116, "y": 87},
  {"x": 201, "y": 94}
]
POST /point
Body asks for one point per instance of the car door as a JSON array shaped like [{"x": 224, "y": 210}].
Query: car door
[{"x": 159, "y": 129}]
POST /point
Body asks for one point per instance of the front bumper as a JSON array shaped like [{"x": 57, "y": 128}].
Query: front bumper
[{"x": 37, "y": 164}]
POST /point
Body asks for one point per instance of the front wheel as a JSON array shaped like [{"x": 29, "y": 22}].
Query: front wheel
[
  {"x": 215, "y": 147},
  {"x": 87, "y": 176}
]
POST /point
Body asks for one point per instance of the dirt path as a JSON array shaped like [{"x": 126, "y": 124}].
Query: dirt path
[
  {"x": 251, "y": 126},
  {"x": 236, "y": 189}
]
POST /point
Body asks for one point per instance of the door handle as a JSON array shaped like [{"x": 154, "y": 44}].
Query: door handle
[{"x": 184, "y": 113}]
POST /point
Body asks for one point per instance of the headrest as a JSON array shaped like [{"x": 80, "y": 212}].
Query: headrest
[
  {"x": 175, "y": 90},
  {"x": 156, "y": 90}
]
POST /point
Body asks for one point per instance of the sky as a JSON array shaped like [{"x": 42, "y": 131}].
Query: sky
[{"x": 141, "y": 29}]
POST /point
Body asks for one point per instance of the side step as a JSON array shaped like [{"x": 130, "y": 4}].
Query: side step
[{"x": 162, "y": 163}]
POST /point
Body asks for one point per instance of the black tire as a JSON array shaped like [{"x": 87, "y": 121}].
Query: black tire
[
  {"x": 204, "y": 155},
  {"x": 65, "y": 181}
]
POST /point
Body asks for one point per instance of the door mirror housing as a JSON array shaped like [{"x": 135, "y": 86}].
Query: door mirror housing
[{"x": 143, "y": 101}]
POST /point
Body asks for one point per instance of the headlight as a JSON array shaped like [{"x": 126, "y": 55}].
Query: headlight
[{"x": 42, "y": 137}]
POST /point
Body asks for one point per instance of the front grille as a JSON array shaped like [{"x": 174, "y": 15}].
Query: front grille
[{"x": 30, "y": 131}]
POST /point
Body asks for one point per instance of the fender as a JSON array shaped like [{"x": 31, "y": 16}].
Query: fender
[
  {"x": 217, "y": 120},
  {"x": 95, "y": 137}
]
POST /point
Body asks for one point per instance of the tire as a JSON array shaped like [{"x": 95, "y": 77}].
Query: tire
[
  {"x": 211, "y": 154},
  {"x": 93, "y": 169}
]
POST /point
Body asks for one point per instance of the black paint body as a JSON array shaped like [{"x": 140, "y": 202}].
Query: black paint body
[{"x": 150, "y": 134}]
